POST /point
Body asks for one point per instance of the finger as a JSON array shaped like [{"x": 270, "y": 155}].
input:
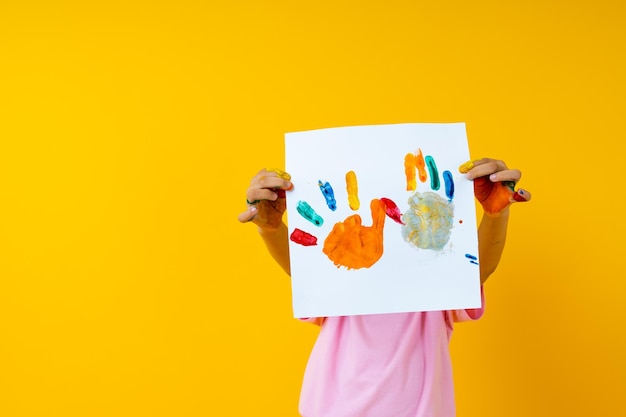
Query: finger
[
  {"x": 478, "y": 162},
  {"x": 485, "y": 161},
  {"x": 280, "y": 173},
  {"x": 482, "y": 167},
  {"x": 248, "y": 215},
  {"x": 272, "y": 182},
  {"x": 271, "y": 173},
  {"x": 254, "y": 195},
  {"x": 522, "y": 196},
  {"x": 507, "y": 175}
]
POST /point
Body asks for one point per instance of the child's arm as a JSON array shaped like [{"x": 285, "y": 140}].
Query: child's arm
[
  {"x": 266, "y": 206},
  {"x": 277, "y": 245},
  {"x": 491, "y": 238},
  {"x": 494, "y": 187}
]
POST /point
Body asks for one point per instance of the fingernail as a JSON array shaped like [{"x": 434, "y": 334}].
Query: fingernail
[
  {"x": 493, "y": 177},
  {"x": 253, "y": 209},
  {"x": 290, "y": 186}
]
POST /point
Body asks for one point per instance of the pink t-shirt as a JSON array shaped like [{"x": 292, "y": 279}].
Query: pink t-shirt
[{"x": 384, "y": 365}]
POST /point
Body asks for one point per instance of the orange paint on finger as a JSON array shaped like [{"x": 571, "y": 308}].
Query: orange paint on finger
[{"x": 353, "y": 191}]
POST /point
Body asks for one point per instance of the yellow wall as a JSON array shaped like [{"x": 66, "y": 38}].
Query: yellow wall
[{"x": 128, "y": 134}]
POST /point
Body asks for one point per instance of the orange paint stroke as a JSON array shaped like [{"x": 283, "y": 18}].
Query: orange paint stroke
[
  {"x": 353, "y": 190},
  {"x": 409, "y": 171},
  {"x": 354, "y": 246},
  {"x": 421, "y": 166}
]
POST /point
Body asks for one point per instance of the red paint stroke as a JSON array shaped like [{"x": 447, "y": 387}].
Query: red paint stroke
[
  {"x": 303, "y": 238},
  {"x": 392, "y": 210}
]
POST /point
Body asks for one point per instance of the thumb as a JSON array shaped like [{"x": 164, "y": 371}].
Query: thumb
[{"x": 248, "y": 215}]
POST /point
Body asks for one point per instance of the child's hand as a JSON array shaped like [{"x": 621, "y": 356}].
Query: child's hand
[
  {"x": 494, "y": 184},
  {"x": 266, "y": 199}
]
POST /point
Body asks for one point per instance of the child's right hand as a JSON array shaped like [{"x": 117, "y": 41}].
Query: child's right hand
[{"x": 266, "y": 199}]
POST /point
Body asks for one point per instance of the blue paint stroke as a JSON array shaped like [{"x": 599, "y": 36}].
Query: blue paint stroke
[
  {"x": 434, "y": 173},
  {"x": 472, "y": 258},
  {"x": 329, "y": 195},
  {"x": 447, "y": 179}
]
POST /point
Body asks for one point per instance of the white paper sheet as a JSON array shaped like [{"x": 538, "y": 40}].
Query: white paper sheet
[{"x": 429, "y": 263}]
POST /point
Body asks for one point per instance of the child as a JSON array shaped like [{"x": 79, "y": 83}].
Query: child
[{"x": 386, "y": 365}]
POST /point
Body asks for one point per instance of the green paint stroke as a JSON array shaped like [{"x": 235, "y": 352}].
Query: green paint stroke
[
  {"x": 434, "y": 173},
  {"x": 308, "y": 213}
]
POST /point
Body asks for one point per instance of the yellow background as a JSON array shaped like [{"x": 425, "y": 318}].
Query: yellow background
[{"x": 128, "y": 134}]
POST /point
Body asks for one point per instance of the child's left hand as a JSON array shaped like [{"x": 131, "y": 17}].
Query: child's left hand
[{"x": 494, "y": 184}]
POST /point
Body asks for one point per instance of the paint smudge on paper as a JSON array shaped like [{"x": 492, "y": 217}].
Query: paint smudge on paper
[
  {"x": 428, "y": 221},
  {"x": 329, "y": 195},
  {"x": 392, "y": 210},
  {"x": 308, "y": 213},
  {"x": 409, "y": 171},
  {"x": 421, "y": 166},
  {"x": 434, "y": 173},
  {"x": 354, "y": 246},
  {"x": 414, "y": 163},
  {"x": 449, "y": 184},
  {"x": 353, "y": 190},
  {"x": 303, "y": 238},
  {"x": 473, "y": 259}
]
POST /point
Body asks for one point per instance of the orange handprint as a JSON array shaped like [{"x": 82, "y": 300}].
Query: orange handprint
[{"x": 355, "y": 246}]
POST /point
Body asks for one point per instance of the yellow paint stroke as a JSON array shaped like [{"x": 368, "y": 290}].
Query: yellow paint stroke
[
  {"x": 421, "y": 166},
  {"x": 282, "y": 174},
  {"x": 353, "y": 245},
  {"x": 353, "y": 190},
  {"x": 464, "y": 168},
  {"x": 409, "y": 171}
]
